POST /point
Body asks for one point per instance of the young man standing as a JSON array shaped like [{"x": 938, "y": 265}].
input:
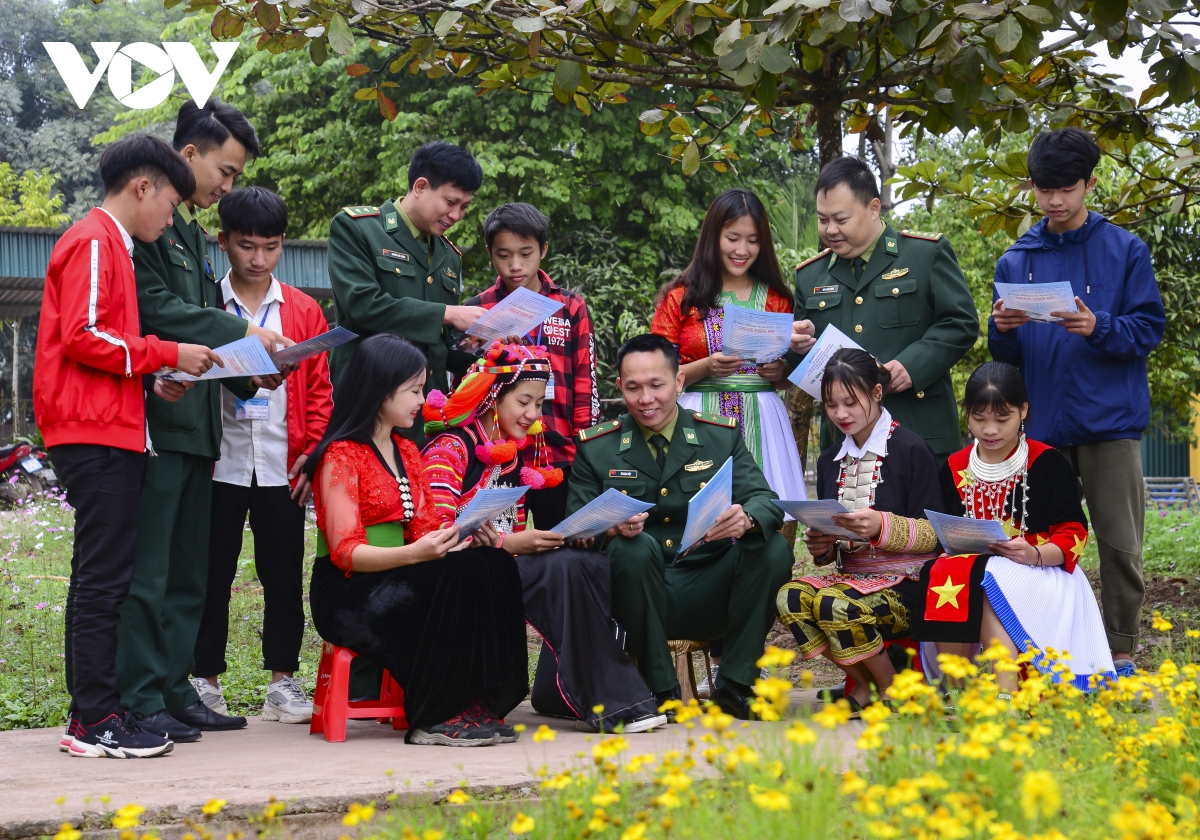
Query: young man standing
[
  {"x": 89, "y": 403},
  {"x": 393, "y": 270},
  {"x": 178, "y": 301},
  {"x": 517, "y": 241},
  {"x": 265, "y": 441},
  {"x": 1086, "y": 374}
]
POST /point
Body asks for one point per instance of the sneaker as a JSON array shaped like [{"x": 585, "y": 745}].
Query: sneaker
[
  {"x": 645, "y": 723},
  {"x": 64, "y": 743},
  {"x": 1125, "y": 668},
  {"x": 704, "y": 689},
  {"x": 505, "y": 734},
  {"x": 117, "y": 736},
  {"x": 462, "y": 730},
  {"x": 286, "y": 702},
  {"x": 211, "y": 694}
]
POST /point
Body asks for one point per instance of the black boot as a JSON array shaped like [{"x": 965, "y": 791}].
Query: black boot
[
  {"x": 733, "y": 698},
  {"x": 661, "y": 697}
]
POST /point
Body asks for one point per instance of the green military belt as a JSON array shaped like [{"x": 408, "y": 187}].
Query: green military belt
[
  {"x": 745, "y": 383},
  {"x": 384, "y": 535}
]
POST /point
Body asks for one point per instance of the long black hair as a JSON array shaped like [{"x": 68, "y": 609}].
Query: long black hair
[
  {"x": 702, "y": 277},
  {"x": 855, "y": 370},
  {"x": 997, "y": 386},
  {"x": 381, "y": 364}
]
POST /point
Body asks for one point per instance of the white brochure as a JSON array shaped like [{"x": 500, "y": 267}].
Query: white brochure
[
  {"x": 1038, "y": 300},
  {"x": 485, "y": 506},
  {"x": 757, "y": 336},
  {"x": 609, "y": 509},
  {"x": 706, "y": 506},
  {"x": 960, "y": 535},
  {"x": 807, "y": 375},
  {"x": 518, "y": 314}
]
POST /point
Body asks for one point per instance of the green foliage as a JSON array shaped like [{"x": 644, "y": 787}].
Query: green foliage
[{"x": 28, "y": 199}]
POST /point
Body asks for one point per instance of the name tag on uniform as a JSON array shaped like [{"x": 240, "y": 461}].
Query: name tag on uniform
[
  {"x": 251, "y": 409},
  {"x": 697, "y": 466},
  {"x": 550, "y": 388},
  {"x": 396, "y": 255},
  {"x": 824, "y": 290},
  {"x": 622, "y": 473}
]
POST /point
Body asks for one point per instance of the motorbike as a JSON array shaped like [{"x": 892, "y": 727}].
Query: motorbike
[{"x": 25, "y": 471}]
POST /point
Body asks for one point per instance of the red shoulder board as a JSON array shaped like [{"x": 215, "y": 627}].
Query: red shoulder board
[
  {"x": 452, "y": 245},
  {"x": 596, "y": 431},
  {"x": 916, "y": 234},
  {"x": 812, "y": 260},
  {"x": 715, "y": 420}
]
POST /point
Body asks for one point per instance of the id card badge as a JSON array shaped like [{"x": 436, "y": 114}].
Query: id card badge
[
  {"x": 550, "y": 388},
  {"x": 251, "y": 409}
]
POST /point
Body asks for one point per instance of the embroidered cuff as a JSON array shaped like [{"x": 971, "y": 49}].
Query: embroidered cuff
[{"x": 902, "y": 535}]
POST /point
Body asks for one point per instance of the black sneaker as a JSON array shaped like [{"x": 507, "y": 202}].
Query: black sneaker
[
  {"x": 505, "y": 734},
  {"x": 462, "y": 730},
  {"x": 117, "y": 736},
  {"x": 64, "y": 743}
]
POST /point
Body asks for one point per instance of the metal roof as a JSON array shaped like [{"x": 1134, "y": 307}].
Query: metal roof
[{"x": 25, "y": 254}]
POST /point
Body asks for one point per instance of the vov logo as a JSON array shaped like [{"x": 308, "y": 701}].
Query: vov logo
[{"x": 171, "y": 57}]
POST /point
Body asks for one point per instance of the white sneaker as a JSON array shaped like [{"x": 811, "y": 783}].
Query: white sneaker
[
  {"x": 704, "y": 689},
  {"x": 646, "y": 723},
  {"x": 211, "y": 694},
  {"x": 286, "y": 702}
]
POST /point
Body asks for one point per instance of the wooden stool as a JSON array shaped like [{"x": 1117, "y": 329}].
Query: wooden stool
[
  {"x": 331, "y": 701},
  {"x": 684, "y": 671}
]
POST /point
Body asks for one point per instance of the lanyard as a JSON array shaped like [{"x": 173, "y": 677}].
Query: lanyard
[{"x": 261, "y": 323}]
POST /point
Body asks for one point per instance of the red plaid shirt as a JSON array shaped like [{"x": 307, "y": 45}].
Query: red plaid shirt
[{"x": 567, "y": 337}]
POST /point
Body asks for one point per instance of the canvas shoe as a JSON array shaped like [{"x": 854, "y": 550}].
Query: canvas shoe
[
  {"x": 64, "y": 743},
  {"x": 463, "y": 730},
  {"x": 286, "y": 702},
  {"x": 645, "y": 723},
  {"x": 117, "y": 736},
  {"x": 211, "y": 694},
  {"x": 704, "y": 689}
]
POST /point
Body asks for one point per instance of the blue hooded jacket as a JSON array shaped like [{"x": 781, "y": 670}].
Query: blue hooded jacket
[{"x": 1094, "y": 388}]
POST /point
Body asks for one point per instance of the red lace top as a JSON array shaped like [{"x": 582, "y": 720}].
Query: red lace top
[
  {"x": 690, "y": 332},
  {"x": 353, "y": 489}
]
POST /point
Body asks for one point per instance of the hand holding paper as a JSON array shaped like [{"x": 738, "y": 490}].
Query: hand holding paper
[
  {"x": 486, "y": 505},
  {"x": 1038, "y": 300},
  {"x": 809, "y": 373},
  {"x": 244, "y": 357},
  {"x": 960, "y": 535},
  {"x": 818, "y": 515},
  {"x": 307, "y": 349},
  {"x": 521, "y": 312},
  {"x": 750, "y": 334},
  {"x": 706, "y": 507},
  {"x": 607, "y": 510}
]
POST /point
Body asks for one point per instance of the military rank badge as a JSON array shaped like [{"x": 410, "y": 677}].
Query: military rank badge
[
  {"x": 824, "y": 290},
  {"x": 622, "y": 473},
  {"x": 396, "y": 255}
]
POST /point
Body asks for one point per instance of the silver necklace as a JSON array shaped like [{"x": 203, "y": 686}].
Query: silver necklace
[{"x": 989, "y": 486}]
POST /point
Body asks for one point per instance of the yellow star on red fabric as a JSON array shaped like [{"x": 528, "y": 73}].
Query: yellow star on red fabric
[
  {"x": 947, "y": 593},
  {"x": 1079, "y": 546},
  {"x": 1009, "y": 528},
  {"x": 965, "y": 477}
]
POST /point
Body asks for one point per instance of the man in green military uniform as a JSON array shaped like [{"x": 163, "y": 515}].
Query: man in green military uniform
[
  {"x": 900, "y": 295},
  {"x": 725, "y": 587},
  {"x": 393, "y": 270},
  {"x": 179, "y": 300}
]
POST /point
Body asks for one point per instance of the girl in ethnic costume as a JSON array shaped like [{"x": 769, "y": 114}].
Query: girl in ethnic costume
[
  {"x": 389, "y": 582},
  {"x": 488, "y": 434},
  {"x": 1036, "y": 595},
  {"x": 734, "y": 265},
  {"x": 887, "y": 477}
]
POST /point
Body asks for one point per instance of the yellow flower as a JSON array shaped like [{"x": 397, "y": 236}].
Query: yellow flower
[
  {"x": 986, "y": 732},
  {"x": 772, "y": 800},
  {"x": 458, "y": 797},
  {"x": 598, "y": 822},
  {"x": 1192, "y": 634},
  {"x": 956, "y": 667},
  {"x": 974, "y": 749},
  {"x": 882, "y": 830},
  {"x": 598, "y": 709},
  {"x": 775, "y": 657},
  {"x": 609, "y": 748},
  {"x": 676, "y": 779},
  {"x": 636, "y": 763},
  {"x": 212, "y": 807},
  {"x": 833, "y": 715},
  {"x": 852, "y": 783},
  {"x": 800, "y": 734},
  {"x": 432, "y": 834},
  {"x": 67, "y": 832},
  {"x": 635, "y": 832},
  {"x": 469, "y": 819},
  {"x": 606, "y": 797},
  {"x": 358, "y": 814},
  {"x": 520, "y": 727},
  {"x": 1039, "y": 793},
  {"x": 715, "y": 719},
  {"x": 522, "y": 824},
  {"x": 562, "y": 780},
  {"x": 870, "y": 740},
  {"x": 1159, "y": 623},
  {"x": 127, "y": 816},
  {"x": 544, "y": 733},
  {"x": 668, "y": 800}
]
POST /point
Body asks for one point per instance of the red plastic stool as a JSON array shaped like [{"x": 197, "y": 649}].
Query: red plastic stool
[{"x": 331, "y": 701}]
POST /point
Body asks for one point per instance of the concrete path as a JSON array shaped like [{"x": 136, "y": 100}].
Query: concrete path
[{"x": 267, "y": 760}]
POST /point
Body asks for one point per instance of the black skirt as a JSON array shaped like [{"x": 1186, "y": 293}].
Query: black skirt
[{"x": 450, "y": 631}]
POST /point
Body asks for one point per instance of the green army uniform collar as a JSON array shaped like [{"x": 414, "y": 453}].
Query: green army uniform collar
[
  {"x": 186, "y": 231},
  {"x": 636, "y": 450},
  {"x": 667, "y": 431},
  {"x": 879, "y": 259},
  {"x": 401, "y": 229}
]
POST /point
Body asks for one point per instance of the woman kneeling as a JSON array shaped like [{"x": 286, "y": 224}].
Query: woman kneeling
[{"x": 389, "y": 582}]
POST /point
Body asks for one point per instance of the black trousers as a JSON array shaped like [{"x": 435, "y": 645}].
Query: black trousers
[
  {"x": 548, "y": 506},
  {"x": 104, "y": 485},
  {"x": 277, "y": 523}
]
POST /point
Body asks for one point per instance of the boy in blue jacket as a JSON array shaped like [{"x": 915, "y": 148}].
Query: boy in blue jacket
[{"x": 1086, "y": 374}]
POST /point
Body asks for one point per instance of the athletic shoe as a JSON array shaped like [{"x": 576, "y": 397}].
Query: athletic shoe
[
  {"x": 64, "y": 743},
  {"x": 205, "y": 719},
  {"x": 704, "y": 689},
  {"x": 162, "y": 723},
  {"x": 117, "y": 736},
  {"x": 505, "y": 734},
  {"x": 462, "y": 730},
  {"x": 211, "y": 694},
  {"x": 645, "y": 723},
  {"x": 286, "y": 702},
  {"x": 1125, "y": 668}
]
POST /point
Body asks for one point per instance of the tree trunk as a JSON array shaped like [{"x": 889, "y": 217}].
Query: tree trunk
[{"x": 887, "y": 165}]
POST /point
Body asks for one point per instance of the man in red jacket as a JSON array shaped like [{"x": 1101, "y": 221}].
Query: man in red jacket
[
  {"x": 90, "y": 409},
  {"x": 265, "y": 441}
]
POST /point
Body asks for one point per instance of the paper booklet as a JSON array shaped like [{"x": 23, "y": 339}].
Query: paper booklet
[
  {"x": 706, "y": 507},
  {"x": 807, "y": 376},
  {"x": 521, "y": 312},
  {"x": 609, "y": 509}
]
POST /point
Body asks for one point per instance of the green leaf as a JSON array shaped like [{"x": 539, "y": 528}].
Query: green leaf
[
  {"x": 1109, "y": 12},
  {"x": 691, "y": 159},
  {"x": 266, "y": 15},
  {"x": 317, "y": 51},
  {"x": 777, "y": 7},
  {"x": 567, "y": 76},
  {"x": 366, "y": 94},
  {"x": 446, "y": 23},
  {"x": 1179, "y": 86},
  {"x": 340, "y": 37},
  {"x": 664, "y": 11},
  {"x": 729, "y": 35},
  {"x": 680, "y": 125},
  {"x": 979, "y": 11},
  {"x": 934, "y": 34},
  {"x": 776, "y": 59},
  {"x": 813, "y": 58},
  {"x": 1008, "y": 34},
  {"x": 581, "y": 102},
  {"x": 1036, "y": 14}
]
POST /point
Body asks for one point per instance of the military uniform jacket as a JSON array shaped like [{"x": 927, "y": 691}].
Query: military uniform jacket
[
  {"x": 179, "y": 299},
  {"x": 912, "y": 304},
  {"x": 615, "y": 454},
  {"x": 385, "y": 281}
]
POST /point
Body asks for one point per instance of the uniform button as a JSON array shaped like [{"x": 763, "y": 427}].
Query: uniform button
[
  {"x": 895, "y": 291},
  {"x": 662, "y": 492},
  {"x": 858, "y": 300},
  {"x": 397, "y": 271},
  {"x": 666, "y": 519},
  {"x": 920, "y": 395},
  {"x": 821, "y": 305},
  {"x": 185, "y": 265},
  {"x": 624, "y": 492},
  {"x": 428, "y": 279},
  {"x": 669, "y": 543},
  {"x": 702, "y": 483},
  {"x": 858, "y": 327}
]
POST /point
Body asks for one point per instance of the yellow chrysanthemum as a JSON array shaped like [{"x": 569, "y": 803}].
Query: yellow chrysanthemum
[
  {"x": 668, "y": 800},
  {"x": 358, "y": 814},
  {"x": 458, "y": 797},
  {"x": 68, "y": 832},
  {"x": 775, "y": 657},
  {"x": 127, "y": 816},
  {"x": 833, "y": 715},
  {"x": 1159, "y": 623},
  {"x": 544, "y": 733},
  {"x": 1039, "y": 793},
  {"x": 800, "y": 734},
  {"x": 607, "y": 796},
  {"x": 772, "y": 800},
  {"x": 522, "y": 824},
  {"x": 635, "y": 832},
  {"x": 212, "y": 807}
]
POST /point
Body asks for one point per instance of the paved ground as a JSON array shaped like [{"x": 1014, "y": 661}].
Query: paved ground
[{"x": 247, "y": 768}]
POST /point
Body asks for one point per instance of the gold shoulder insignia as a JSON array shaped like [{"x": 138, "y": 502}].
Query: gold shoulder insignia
[
  {"x": 716, "y": 420},
  {"x": 360, "y": 211},
  {"x": 452, "y": 245},
  {"x": 812, "y": 260},
  {"x": 597, "y": 431},
  {"x": 916, "y": 234}
]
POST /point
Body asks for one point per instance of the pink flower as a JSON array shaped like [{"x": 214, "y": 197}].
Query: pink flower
[{"x": 41, "y": 606}]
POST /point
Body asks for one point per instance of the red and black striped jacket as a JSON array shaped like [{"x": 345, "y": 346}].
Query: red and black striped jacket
[{"x": 567, "y": 337}]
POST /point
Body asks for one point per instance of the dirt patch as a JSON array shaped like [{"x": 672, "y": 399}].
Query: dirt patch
[{"x": 1176, "y": 596}]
